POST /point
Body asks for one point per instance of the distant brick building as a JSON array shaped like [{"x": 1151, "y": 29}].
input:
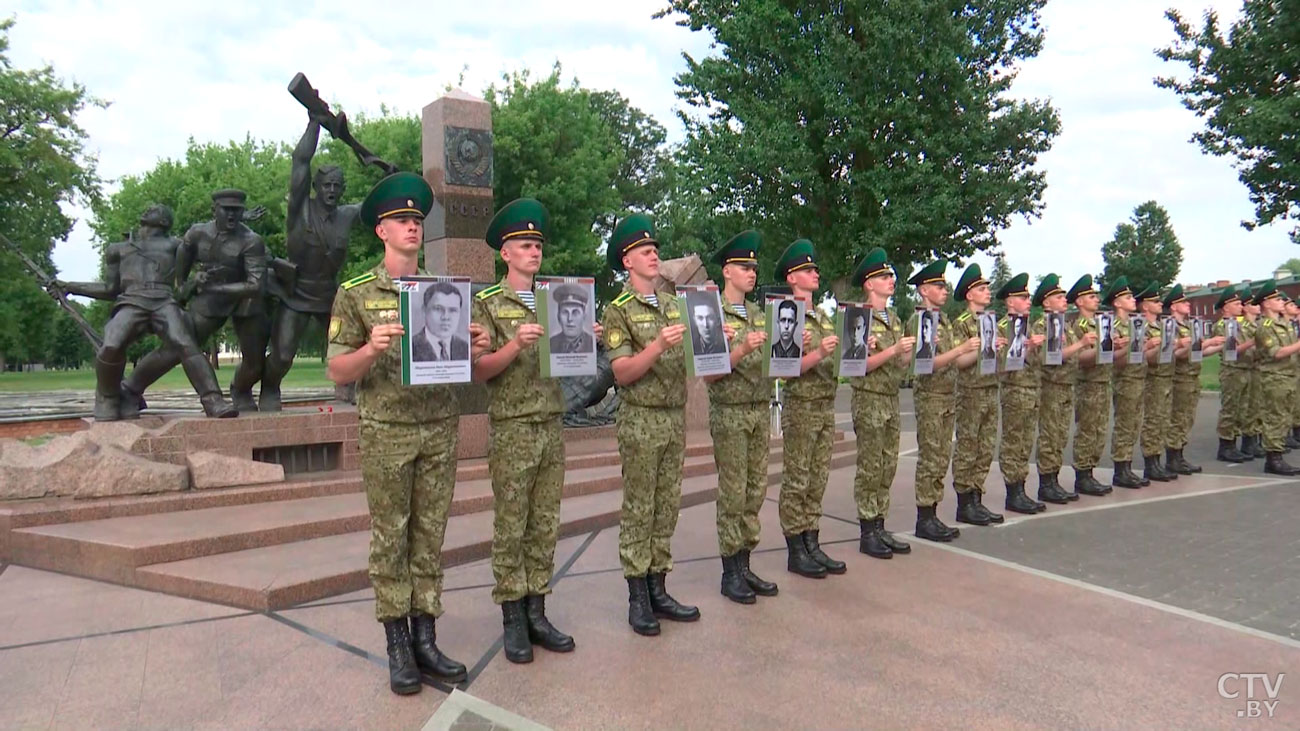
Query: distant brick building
[{"x": 1203, "y": 297}]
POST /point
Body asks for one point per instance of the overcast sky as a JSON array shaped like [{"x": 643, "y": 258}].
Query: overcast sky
[{"x": 218, "y": 71}]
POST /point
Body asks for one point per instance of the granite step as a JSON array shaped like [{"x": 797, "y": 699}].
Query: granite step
[
  {"x": 279, "y": 576},
  {"x": 112, "y": 548}
]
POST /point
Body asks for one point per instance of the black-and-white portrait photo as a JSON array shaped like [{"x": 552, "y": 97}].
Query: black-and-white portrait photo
[
  {"x": 1137, "y": 340},
  {"x": 1105, "y": 338},
  {"x": 1231, "y": 333},
  {"x": 566, "y": 308},
  {"x": 785, "y": 315},
  {"x": 1055, "y": 322},
  {"x": 1018, "y": 333},
  {"x": 705, "y": 313},
  {"x": 854, "y": 325},
  {"x": 436, "y": 313},
  {"x": 927, "y": 334},
  {"x": 988, "y": 329},
  {"x": 1168, "y": 336},
  {"x": 1197, "y": 352}
]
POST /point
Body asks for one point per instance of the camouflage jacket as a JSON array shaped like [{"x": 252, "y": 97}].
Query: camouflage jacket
[
  {"x": 631, "y": 323},
  {"x": 1271, "y": 336},
  {"x": 819, "y": 383},
  {"x": 888, "y": 378},
  {"x": 745, "y": 384},
  {"x": 965, "y": 327},
  {"x": 1249, "y": 328},
  {"x": 943, "y": 380},
  {"x": 361, "y": 303},
  {"x": 519, "y": 391}
]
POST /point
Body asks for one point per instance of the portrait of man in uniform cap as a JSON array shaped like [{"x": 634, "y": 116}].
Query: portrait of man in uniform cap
[
  {"x": 570, "y": 305},
  {"x": 706, "y": 323},
  {"x": 444, "y": 307}
]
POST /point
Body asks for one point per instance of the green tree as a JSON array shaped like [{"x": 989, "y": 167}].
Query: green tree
[
  {"x": 1243, "y": 84},
  {"x": 43, "y": 165},
  {"x": 1292, "y": 264},
  {"x": 68, "y": 348},
  {"x": 1144, "y": 249},
  {"x": 861, "y": 123},
  {"x": 998, "y": 278}
]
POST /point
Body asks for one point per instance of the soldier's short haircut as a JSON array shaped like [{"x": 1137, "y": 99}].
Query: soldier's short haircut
[
  {"x": 441, "y": 288},
  {"x": 787, "y": 304}
]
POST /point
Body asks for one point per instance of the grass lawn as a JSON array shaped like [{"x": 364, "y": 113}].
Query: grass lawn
[
  {"x": 1210, "y": 373},
  {"x": 308, "y": 373}
]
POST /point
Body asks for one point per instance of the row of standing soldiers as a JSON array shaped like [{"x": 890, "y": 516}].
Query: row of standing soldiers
[{"x": 408, "y": 434}]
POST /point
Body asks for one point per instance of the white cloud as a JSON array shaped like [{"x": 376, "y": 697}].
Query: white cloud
[{"x": 175, "y": 70}]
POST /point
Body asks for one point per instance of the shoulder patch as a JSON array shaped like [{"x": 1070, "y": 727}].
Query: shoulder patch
[
  {"x": 358, "y": 280},
  {"x": 1267, "y": 321},
  {"x": 623, "y": 299},
  {"x": 963, "y": 317},
  {"x": 494, "y": 289}
]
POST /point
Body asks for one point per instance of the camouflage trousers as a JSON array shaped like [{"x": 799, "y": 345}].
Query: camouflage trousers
[
  {"x": 935, "y": 413},
  {"x": 741, "y": 435},
  {"x": 1234, "y": 386},
  {"x": 652, "y": 447},
  {"x": 1156, "y": 398},
  {"x": 1091, "y": 422},
  {"x": 1019, "y": 427},
  {"x": 1277, "y": 391},
  {"x": 1128, "y": 401},
  {"x": 977, "y": 437},
  {"x": 875, "y": 427},
  {"x": 1054, "y": 409},
  {"x": 409, "y": 471},
  {"x": 526, "y": 460},
  {"x": 807, "y": 432},
  {"x": 1295, "y": 403},
  {"x": 1254, "y": 421},
  {"x": 1186, "y": 392}
]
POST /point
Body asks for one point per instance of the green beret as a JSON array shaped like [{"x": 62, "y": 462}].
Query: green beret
[
  {"x": 1174, "y": 295},
  {"x": 1228, "y": 294},
  {"x": 520, "y": 218},
  {"x": 1017, "y": 286},
  {"x": 1050, "y": 285},
  {"x": 740, "y": 249},
  {"x": 570, "y": 294},
  {"x": 1116, "y": 289},
  {"x": 970, "y": 279},
  {"x": 637, "y": 229},
  {"x": 1080, "y": 288},
  {"x": 1149, "y": 292},
  {"x": 1267, "y": 290},
  {"x": 931, "y": 273},
  {"x": 798, "y": 255},
  {"x": 399, "y": 194},
  {"x": 874, "y": 264}
]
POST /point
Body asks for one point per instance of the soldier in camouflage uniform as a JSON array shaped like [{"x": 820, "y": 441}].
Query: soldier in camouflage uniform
[
  {"x": 1276, "y": 346},
  {"x": 935, "y": 397},
  {"x": 807, "y": 423},
  {"x": 1233, "y": 379},
  {"x": 875, "y": 407},
  {"x": 1157, "y": 395},
  {"x": 1019, "y": 399},
  {"x": 1187, "y": 383},
  {"x": 1091, "y": 391},
  {"x": 407, "y": 437},
  {"x": 1056, "y": 393},
  {"x": 1127, "y": 384},
  {"x": 1293, "y": 319},
  {"x": 1252, "y": 443},
  {"x": 739, "y": 421},
  {"x": 977, "y": 405},
  {"x": 526, "y": 453},
  {"x": 644, "y": 337}
]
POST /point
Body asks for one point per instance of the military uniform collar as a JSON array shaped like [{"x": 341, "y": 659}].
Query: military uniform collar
[
  {"x": 728, "y": 307},
  {"x": 510, "y": 292},
  {"x": 384, "y": 281},
  {"x": 642, "y": 298}
]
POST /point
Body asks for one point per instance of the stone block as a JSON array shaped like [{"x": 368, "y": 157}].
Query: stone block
[
  {"x": 80, "y": 466},
  {"x": 210, "y": 469}
]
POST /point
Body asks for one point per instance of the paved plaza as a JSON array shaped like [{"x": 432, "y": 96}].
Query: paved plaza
[{"x": 1116, "y": 612}]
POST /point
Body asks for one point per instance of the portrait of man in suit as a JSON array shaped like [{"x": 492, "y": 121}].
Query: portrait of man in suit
[
  {"x": 925, "y": 339},
  {"x": 706, "y": 323},
  {"x": 1106, "y": 340},
  {"x": 856, "y": 349},
  {"x": 570, "y": 307},
  {"x": 1016, "y": 346},
  {"x": 438, "y": 341},
  {"x": 988, "y": 339},
  {"x": 787, "y": 321}
]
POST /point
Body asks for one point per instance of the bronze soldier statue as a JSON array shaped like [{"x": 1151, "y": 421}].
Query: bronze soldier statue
[
  {"x": 139, "y": 276},
  {"x": 231, "y": 264},
  {"x": 317, "y": 244}
]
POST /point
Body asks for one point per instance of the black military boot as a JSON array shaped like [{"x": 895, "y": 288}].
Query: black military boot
[
  {"x": 1086, "y": 484},
  {"x": 639, "y": 614},
  {"x": 1182, "y": 461},
  {"x": 518, "y": 648},
  {"x": 403, "y": 674},
  {"x": 810, "y": 539},
  {"x": 1124, "y": 476},
  {"x": 1228, "y": 452},
  {"x": 734, "y": 586},
  {"x": 984, "y": 511},
  {"x": 1049, "y": 490},
  {"x": 428, "y": 658},
  {"x": 895, "y": 545},
  {"x": 1257, "y": 445},
  {"x": 662, "y": 603},
  {"x": 799, "y": 561},
  {"x": 760, "y": 586},
  {"x": 1152, "y": 469},
  {"x": 1247, "y": 448},
  {"x": 1019, "y": 502},
  {"x": 540, "y": 630},
  {"x": 870, "y": 542},
  {"x": 1291, "y": 441},
  {"x": 966, "y": 510},
  {"x": 1274, "y": 464},
  {"x": 929, "y": 527}
]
